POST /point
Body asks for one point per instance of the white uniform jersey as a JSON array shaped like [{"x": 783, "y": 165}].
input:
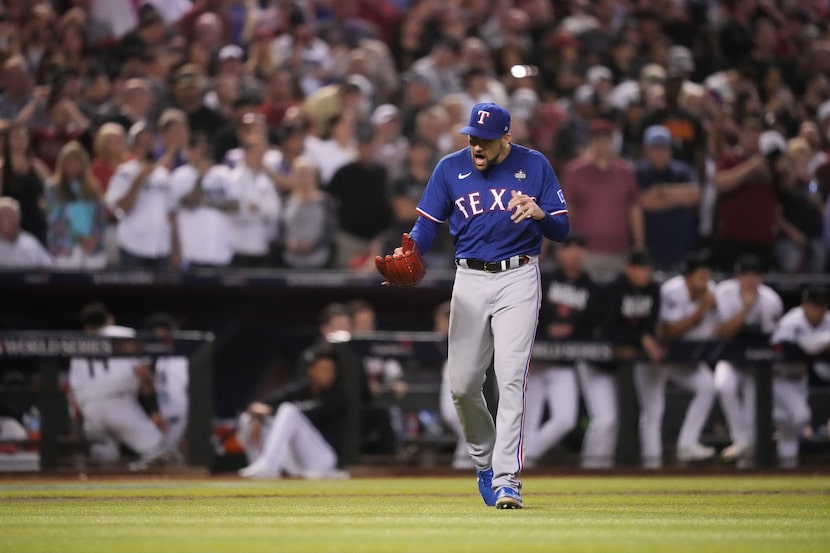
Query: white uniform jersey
[
  {"x": 171, "y": 382},
  {"x": 255, "y": 225},
  {"x": 676, "y": 305},
  {"x": 93, "y": 379},
  {"x": 764, "y": 313},
  {"x": 205, "y": 233},
  {"x": 795, "y": 329},
  {"x": 145, "y": 229}
]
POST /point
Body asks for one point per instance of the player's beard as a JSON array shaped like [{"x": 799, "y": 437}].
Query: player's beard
[{"x": 488, "y": 162}]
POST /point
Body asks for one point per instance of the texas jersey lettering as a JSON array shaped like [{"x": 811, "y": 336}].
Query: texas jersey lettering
[{"x": 474, "y": 203}]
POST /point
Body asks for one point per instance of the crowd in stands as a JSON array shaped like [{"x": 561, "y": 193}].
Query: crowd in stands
[{"x": 301, "y": 133}]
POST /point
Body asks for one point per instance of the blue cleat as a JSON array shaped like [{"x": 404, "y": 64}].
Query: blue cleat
[
  {"x": 508, "y": 498},
  {"x": 485, "y": 486}
]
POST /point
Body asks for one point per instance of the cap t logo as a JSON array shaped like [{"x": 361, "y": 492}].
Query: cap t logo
[{"x": 482, "y": 115}]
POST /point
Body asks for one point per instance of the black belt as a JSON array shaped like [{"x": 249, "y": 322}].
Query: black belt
[{"x": 494, "y": 266}]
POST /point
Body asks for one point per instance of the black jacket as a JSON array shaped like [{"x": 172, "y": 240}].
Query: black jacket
[
  {"x": 573, "y": 302},
  {"x": 629, "y": 312}
]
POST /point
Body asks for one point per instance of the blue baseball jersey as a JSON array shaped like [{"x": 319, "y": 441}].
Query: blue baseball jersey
[{"x": 475, "y": 205}]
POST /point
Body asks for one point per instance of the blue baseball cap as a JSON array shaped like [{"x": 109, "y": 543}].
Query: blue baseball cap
[
  {"x": 657, "y": 135},
  {"x": 487, "y": 121}
]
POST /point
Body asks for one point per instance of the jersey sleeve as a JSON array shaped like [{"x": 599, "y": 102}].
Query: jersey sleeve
[
  {"x": 119, "y": 185},
  {"x": 436, "y": 201},
  {"x": 726, "y": 300},
  {"x": 433, "y": 209},
  {"x": 671, "y": 309},
  {"x": 786, "y": 330},
  {"x": 556, "y": 224},
  {"x": 551, "y": 199}
]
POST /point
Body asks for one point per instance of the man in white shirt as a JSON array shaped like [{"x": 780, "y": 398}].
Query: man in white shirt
[
  {"x": 205, "y": 201},
  {"x": 808, "y": 327},
  {"x": 18, "y": 248},
  {"x": 256, "y": 222},
  {"x": 106, "y": 393},
  {"x": 747, "y": 310},
  {"x": 687, "y": 312},
  {"x": 139, "y": 194}
]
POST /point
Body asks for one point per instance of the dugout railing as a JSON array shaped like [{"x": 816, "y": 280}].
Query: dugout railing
[
  {"x": 426, "y": 349},
  {"x": 53, "y": 350}
]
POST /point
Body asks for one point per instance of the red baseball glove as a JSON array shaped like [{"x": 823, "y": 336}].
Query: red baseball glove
[{"x": 402, "y": 269}]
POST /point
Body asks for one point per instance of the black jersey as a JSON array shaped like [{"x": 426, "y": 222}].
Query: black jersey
[
  {"x": 573, "y": 302},
  {"x": 629, "y": 312}
]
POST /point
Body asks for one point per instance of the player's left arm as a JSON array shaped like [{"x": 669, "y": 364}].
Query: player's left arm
[{"x": 548, "y": 209}]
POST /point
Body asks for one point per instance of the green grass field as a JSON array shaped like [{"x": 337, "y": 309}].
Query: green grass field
[{"x": 423, "y": 515}]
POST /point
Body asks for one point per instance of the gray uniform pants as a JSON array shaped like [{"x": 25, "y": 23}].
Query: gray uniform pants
[{"x": 493, "y": 316}]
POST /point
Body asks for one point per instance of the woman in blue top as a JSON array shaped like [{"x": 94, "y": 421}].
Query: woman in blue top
[{"x": 75, "y": 212}]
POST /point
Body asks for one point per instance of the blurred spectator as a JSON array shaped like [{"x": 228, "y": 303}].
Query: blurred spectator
[
  {"x": 110, "y": 148},
  {"x": 294, "y": 139},
  {"x": 669, "y": 195},
  {"x": 603, "y": 202},
  {"x": 23, "y": 176},
  {"x": 688, "y": 136},
  {"x": 205, "y": 202},
  {"x": 630, "y": 309},
  {"x": 441, "y": 67},
  {"x": 280, "y": 93},
  {"x": 749, "y": 311},
  {"x": 337, "y": 149},
  {"x": 19, "y": 90},
  {"x": 808, "y": 327},
  {"x": 572, "y": 136},
  {"x": 231, "y": 63},
  {"x": 302, "y": 52},
  {"x": 568, "y": 312},
  {"x": 257, "y": 221},
  {"x": 229, "y": 136},
  {"x": 187, "y": 95},
  {"x": 135, "y": 105},
  {"x": 75, "y": 212},
  {"x": 139, "y": 194},
  {"x": 391, "y": 147},
  {"x": 363, "y": 209},
  {"x": 18, "y": 248},
  {"x": 307, "y": 221},
  {"x": 800, "y": 246},
  {"x": 747, "y": 208},
  {"x": 67, "y": 123},
  {"x": 331, "y": 102},
  {"x": 687, "y": 312},
  {"x": 417, "y": 98}
]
